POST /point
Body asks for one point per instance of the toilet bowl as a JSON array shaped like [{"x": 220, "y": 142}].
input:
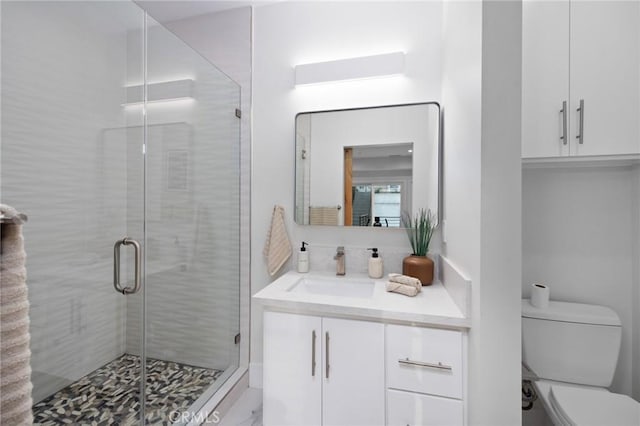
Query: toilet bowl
[
  {"x": 576, "y": 405},
  {"x": 573, "y": 350}
]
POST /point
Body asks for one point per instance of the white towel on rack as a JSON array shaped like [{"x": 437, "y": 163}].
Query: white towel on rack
[
  {"x": 323, "y": 215},
  {"x": 277, "y": 249}
]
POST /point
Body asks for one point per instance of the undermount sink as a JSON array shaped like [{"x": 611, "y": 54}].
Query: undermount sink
[{"x": 326, "y": 286}]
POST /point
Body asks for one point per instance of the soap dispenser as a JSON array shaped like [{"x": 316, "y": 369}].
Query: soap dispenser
[
  {"x": 375, "y": 264},
  {"x": 303, "y": 258}
]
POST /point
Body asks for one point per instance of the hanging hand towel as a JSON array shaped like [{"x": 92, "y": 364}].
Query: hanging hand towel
[
  {"x": 277, "y": 249},
  {"x": 15, "y": 369}
]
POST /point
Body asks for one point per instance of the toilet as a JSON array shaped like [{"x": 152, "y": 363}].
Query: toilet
[{"x": 573, "y": 350}]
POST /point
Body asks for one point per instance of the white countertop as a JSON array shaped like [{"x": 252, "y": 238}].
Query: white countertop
[{"x": 433, "y": 306}]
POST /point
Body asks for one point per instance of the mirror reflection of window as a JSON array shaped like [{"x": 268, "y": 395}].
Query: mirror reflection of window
[
  {"x": 387, "y": 204},
  {"x": 378, "y": 205},
  {"x": 362, "y": 205}
]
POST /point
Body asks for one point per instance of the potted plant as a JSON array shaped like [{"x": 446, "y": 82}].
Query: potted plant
[{"x": 420, "y": 230}]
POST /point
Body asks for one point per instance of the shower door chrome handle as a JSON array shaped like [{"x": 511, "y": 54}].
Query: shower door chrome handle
[{"x": 116, "y": 266}]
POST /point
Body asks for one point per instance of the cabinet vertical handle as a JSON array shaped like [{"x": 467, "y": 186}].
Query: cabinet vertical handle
[
  {"x": 313, "y": 353},
  {"x": 326, "y": 354},
  {"x": 564, "y": 123},
  {"x": 580, "y": 135}
]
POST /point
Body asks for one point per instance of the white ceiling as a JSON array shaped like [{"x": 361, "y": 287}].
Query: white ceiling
[{"x": 173, "y": 10}]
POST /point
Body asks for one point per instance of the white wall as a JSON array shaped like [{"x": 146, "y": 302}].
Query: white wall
[
  {"x": 578, "y": 238},
  {"x": 496, "y": 333},
  {"x": 291, "y": 33},
  {"x": 481, "y": 100}
]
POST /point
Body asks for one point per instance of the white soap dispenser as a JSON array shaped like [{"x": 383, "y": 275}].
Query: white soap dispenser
[
  {"x": 375, "y": 264},
  {"x": 303, "y": 258}
]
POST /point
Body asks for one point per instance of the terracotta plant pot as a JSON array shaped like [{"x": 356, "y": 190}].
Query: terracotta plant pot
[{"x": 420, "y": 267}]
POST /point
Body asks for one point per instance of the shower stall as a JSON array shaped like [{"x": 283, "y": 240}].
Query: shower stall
[{"x": 122, "y": 146}]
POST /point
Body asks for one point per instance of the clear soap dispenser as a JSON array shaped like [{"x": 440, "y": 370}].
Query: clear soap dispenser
[
  {"x": 375, "y": 264},
  {"x": 303, "y": 258}
]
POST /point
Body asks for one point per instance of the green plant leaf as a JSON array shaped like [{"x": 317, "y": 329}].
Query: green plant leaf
[{"x": 419, "y": 230}]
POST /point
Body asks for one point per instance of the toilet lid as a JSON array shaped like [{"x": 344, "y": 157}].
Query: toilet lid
[{"x": 583, "y": 406}]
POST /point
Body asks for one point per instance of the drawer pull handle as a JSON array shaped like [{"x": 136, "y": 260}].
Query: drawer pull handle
[{"x": 439, "y": 365}]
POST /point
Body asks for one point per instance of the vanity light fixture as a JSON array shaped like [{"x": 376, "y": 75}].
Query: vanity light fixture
[
  {"x": 384, "y": 65},
  {"x": 160, "y": 92}
]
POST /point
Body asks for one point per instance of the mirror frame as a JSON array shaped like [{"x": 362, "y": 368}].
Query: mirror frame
[{"x": 440, "y": 160}]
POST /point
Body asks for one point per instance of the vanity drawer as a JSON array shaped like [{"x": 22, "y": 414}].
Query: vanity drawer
[
  {"x": 425, "y": 360},
  {"x": 414, "y": 409}
]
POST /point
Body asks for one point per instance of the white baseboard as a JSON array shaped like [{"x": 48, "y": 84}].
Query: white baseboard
[{"x": 255, "y": 375}]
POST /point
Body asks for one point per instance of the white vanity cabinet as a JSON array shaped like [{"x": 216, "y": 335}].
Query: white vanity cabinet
[
  {"x": 328, "y": 371},
  {"x": 322, "y": 371},
  {"x": 425, "y": 371},
  {"x": 580, "y": 53}
]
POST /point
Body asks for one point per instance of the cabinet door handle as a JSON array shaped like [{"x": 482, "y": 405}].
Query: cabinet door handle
[
  {"x": 326, "y": 354},
  {"x": 564, "y": 123},
  {"x": 438, "y": 366},
  {"x": 313, "y": 353},
  {"x": 580, "y": 135}
]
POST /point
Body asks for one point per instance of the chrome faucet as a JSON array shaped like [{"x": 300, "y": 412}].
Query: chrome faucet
[{"x": 339, "y": 257}]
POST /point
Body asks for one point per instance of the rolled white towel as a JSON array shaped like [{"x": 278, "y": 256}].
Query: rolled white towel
[
  {"x": 407, "y": 290},
  {"x": 406, "y": 280}
]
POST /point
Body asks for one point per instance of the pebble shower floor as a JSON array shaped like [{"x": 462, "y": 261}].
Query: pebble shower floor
[{"x": 110, "y": 394}]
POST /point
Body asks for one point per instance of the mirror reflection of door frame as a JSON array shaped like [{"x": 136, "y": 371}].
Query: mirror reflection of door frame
[{"x": 348, "y": 192}]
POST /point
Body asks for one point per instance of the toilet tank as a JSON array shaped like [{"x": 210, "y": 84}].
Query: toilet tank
[{"x": 571, "y": 342}]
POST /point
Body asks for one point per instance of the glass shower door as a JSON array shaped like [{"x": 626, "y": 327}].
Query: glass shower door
[
  {"x": 72, "y": 162},
  {"x": 192, "y": 306}
]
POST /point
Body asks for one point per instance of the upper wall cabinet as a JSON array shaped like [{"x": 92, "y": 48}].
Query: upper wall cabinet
[{"x": 580, "y": 78}]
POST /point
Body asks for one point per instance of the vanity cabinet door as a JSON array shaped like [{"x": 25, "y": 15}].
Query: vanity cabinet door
[
  {"x": 353, "y": 377},
  {"x": 292, "y": 376}
]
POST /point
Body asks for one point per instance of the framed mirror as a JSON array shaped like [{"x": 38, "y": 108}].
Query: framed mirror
[{"x": 365, "y": 166}]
